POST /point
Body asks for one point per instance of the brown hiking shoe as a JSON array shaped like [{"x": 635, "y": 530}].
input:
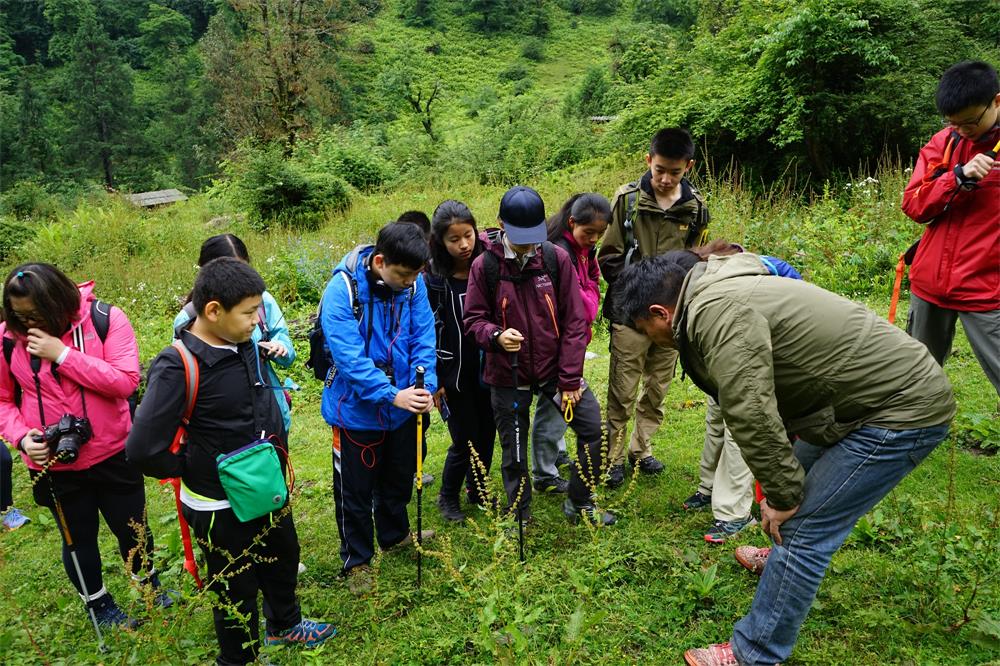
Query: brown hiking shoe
[
  {"x": 360, "y": 580},
  {"x": 752, "y": 558},
  {"x": 425, "y": 535}
]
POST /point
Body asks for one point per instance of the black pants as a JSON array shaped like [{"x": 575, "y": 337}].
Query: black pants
[
  {"x": 512, "y": 408},
  {"x": 472, "y": 421},
  {"x": 6, "y": 478},
  {"x": 272, "y": 568},
  {"x": 373, "y": 478},
  {"x": 113, "y": 489}
]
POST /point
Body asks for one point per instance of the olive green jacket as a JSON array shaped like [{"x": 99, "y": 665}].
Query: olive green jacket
[
  {"x": 656, "y": 230},
  {"x": 784, "y": 356}
]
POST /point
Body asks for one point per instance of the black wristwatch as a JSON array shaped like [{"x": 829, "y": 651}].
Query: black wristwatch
[
  {"x": 964, "y": 181},
  {"x": 496, "y": 337}
]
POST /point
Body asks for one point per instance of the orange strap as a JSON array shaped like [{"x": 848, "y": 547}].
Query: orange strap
[
  {"x": 191, "y": 379},
  {"x": 900, "y": 269}
]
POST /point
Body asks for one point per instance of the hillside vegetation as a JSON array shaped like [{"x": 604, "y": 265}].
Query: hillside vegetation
[{"x": 807, "y": 116}]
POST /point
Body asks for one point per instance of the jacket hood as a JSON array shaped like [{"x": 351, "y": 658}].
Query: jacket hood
[
  {"x": 354, "y": 259},
  {"x": 711, "y": 272},
  {"x": 86, "y": 297}
]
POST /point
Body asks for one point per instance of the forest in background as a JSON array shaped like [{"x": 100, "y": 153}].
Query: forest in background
[{"x": 333, "y": 97}]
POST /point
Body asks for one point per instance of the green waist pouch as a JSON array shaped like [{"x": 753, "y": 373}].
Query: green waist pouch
[{"x": 253, "y": 481}]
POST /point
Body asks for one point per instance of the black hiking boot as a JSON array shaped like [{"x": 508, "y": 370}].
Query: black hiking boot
[
  {"x": 449, "y": 508},
  {"x": 575, "y": 513}
]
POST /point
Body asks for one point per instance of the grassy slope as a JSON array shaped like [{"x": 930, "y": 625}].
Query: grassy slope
[
  {"x": 621, "y": 596},
  {"x": 626, "y": 595}
]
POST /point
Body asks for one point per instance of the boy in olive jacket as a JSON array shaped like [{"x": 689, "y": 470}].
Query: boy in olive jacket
[{"x": 660, "y": 212}]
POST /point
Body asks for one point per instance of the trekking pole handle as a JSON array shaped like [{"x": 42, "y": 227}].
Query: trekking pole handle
[{"x": 419, "y": 382}]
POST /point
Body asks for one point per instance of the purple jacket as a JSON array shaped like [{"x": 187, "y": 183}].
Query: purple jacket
[{"x": 554, "y": 325}]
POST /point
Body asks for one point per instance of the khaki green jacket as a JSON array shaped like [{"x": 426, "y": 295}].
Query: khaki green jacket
[
  {"x": 784, "y": 356},
  {"x": 656, "y": 230}
]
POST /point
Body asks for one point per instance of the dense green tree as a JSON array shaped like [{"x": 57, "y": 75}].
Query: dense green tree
[
  {"x": 416, "y": 13},
  {"x": 25, "y": 23},
  {"x": 679, "y": 13},
  {"x": 816, "y": 83},
  {"x": 271, "y": 62},
  {"x": 96, "y": 94},
  {"x": 591, "y": 96},
  {"x": 32, "y": 147}
]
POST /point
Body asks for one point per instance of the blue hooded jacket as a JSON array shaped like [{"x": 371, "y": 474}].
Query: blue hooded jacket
[{"x": 360, "y": 395}]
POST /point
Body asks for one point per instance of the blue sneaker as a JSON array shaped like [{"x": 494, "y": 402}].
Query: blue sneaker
[
  {"x": 14, "y": 519},
  {"x": 108, "y": 613},
  {"x": 307, "y": 632}
]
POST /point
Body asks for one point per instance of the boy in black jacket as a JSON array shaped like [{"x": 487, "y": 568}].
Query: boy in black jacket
[{"x": 234, "y": 407}]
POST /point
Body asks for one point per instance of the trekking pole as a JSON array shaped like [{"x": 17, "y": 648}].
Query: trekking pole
[
  {"x": 517, "y": 452},
  {"x": 36, "y": 366},
  {"x": 419, "y": 383}
]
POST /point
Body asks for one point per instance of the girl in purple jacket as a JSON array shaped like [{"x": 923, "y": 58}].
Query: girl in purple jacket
[
  {"x": 576, "y": 228},
  {"x": 64, "y": 405},
  {"x": 524, "y": 309}
]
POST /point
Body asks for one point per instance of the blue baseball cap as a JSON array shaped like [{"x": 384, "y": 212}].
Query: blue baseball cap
[{"x": 523, "y": 214}]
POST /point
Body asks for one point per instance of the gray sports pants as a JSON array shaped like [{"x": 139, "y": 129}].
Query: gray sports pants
[{"x": 935, "y": 327}]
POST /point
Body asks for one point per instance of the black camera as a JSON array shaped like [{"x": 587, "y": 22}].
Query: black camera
[
  {"x": 386, "y": 368},
  {"x": 67, "y": 436}
]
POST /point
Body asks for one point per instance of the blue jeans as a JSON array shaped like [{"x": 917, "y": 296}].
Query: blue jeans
[{"x": 843, "y": 482}]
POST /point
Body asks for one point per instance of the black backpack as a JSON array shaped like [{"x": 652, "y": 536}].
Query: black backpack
[
  {"x": 100, "y": 314},
  {"x": 320, "y": 360},
  {"x": 491, "y": 265}
]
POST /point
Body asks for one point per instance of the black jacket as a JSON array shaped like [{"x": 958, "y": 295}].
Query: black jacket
[
  {"x": 459, "y": 359},
  {"x": 232, "y": 409}
]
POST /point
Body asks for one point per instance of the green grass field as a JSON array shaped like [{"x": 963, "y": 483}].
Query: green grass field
[{"x": 916, "y": 584}]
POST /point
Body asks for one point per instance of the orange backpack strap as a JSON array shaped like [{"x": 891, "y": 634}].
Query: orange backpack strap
[{"x": 191, "y": 378}]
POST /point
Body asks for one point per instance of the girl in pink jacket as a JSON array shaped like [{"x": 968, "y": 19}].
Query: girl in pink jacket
[
  {"x": 576, "y": 228},
  {"x": 69, "y": 365}
]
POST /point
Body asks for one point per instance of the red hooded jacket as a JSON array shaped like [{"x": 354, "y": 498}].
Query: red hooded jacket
[
  {"x": 554, "y": 323},
  {"x": 957, "y": 265}
]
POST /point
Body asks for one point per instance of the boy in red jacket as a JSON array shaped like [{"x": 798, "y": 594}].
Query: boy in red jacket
[
  {"x": 524, "y": 309},
  {"x": 955, "y": 191}
]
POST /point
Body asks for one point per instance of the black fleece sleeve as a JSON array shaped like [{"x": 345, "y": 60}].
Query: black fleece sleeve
[{"x": 157, "y": 419}]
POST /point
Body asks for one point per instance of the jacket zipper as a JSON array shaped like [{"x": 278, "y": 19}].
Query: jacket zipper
[
  {"x": 454, "y": 313},
  {"x": 552, "y": 313}
]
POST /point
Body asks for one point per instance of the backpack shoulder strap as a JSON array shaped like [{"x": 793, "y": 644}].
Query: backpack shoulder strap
[
  {"x": 262, "y": 321},
  {"x": 100, "y": 315},
  {"x": 949, "y": 149},
  {"x": 564, "y": 244},
  {"x": 629, "y": 241},
  {"x": 191, "y": 380},
  {"x": 491, "y": 269},
  {"x": 551, "y": 261},
  {"x": 8, "y": 354}
]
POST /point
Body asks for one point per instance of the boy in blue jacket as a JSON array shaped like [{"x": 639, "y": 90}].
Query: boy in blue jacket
[{"x": 378, "y": 326}]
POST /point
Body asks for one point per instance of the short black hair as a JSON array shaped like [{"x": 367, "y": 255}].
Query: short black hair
[
  {"x": 54, "y": 296},
  {"x": 223, "y": 245},
  {"x": 965, "y": 84},
  {"x": 651, "y": 281},
  {"x": 419, "y": 218},
  {"x": 402, "y": 245},
  {"x": 673, "y": 143},
  {"x": 226, "y": 280}
]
